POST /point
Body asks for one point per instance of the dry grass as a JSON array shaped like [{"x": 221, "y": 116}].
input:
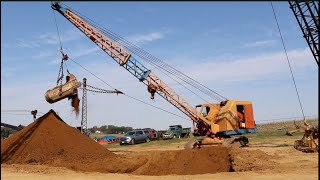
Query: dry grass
[{"x": 284, "y": 125}]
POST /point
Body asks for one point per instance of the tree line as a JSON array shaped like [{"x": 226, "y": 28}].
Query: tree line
[
  {"x": 110, "y": 129},
  {"x": 6, "y": 132}
]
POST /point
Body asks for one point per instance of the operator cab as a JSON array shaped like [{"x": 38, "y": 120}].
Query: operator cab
[{"x": 208, "y": 110}]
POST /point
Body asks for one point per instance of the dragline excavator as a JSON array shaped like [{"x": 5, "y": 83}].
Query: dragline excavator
[{"x": 217, "y": 122}]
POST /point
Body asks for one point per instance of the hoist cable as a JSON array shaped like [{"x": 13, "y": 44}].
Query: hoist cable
[
  {"x": 91, "y": 73},
  {"x": 20, "y": 111},
  {"x": 153, "y": 64},
  {"x": 157, "y": 67},
  {"x": 54, "y": 15},
  {"x": 25, "y": 114},
  {"x": 100, "y": 90},
  {"x": 294, "y": 82},
  {"x": 162, "y": 65},
  {"x": 148, "y": 57},
  {"x": 127, "y": 94},
  {"x": 156, "y": 107},
  {"x": 60, "y": 74},
  {"x": 145, "y": 57}
]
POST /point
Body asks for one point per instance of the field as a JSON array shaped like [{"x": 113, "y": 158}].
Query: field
[{"x": 282, "y": 162}]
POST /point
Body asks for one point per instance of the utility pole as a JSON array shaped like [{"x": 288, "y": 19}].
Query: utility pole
[
  {"x": 84, "y": 127},
  {"x": 86, "y": 88}
]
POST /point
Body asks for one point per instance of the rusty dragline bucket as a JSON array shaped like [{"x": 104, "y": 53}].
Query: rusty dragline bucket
[{"x": 65, "y": 90}]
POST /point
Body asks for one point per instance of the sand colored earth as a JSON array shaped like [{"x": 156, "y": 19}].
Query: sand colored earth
[
  {"x": 50, "y": 141},
  {"x": 50, "y": 148}
]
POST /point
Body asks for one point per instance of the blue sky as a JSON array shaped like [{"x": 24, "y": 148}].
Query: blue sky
[{"x": 233, "y": 48}]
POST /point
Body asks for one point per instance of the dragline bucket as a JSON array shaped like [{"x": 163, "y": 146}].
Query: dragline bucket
[{"x": 66, "y": 90}]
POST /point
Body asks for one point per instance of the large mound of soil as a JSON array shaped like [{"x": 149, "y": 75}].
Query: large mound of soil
[
  {"x": 251, "y": 160},
  {"x": 49, "y": 140},
  {"x": 190, "y": 161}
]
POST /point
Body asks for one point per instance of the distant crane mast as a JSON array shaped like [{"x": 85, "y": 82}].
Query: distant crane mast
[{"x": 307, "y": 15}]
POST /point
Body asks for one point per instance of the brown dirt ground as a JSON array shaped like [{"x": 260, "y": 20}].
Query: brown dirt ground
[{"x": 36, "y": 153}]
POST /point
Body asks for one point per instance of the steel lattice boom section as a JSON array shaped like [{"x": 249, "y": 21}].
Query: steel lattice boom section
[
  {"x": 124, "y": 58},
  {"x": 307, "y": 15}
]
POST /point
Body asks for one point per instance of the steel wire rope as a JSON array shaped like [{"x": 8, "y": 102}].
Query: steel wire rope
[
  {"x": 91, "y": 73},
  {"x": 148, "y": 58},
  {"x": 55, "y": 20},
  {"x": 157, "y": 107},
  {"x": 16, "y": 113},
  {"x": 19, "y": 111},
  {"x": 125, "y": 94},
  {"x": 285, "y": 50},
  {"x": 158, "y": 63},
  {"x": 157, "y": 67},
  {"x": 145, "y": 55},
  {"x": 128, "y": 95},
  {"x": 61, "y": 50},
  {"x": 153, "y": 64}
]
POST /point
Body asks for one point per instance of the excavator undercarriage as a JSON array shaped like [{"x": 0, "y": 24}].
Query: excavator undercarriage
[
  {"x": 227, "y": 141},
  {"x": 309, "y": 142}
]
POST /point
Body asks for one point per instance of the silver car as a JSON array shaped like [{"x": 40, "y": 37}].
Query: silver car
[{"x": 133, "y": 137}]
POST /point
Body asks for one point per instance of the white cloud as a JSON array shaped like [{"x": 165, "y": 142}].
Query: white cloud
[
  {"x": 42, "y": 54},
  {"x": 120, "y": 20},
  {"x": 84, "y": 51},
  {"x": 149, "y": 10},
  {"x": 211, "y": 31},
  {"x": 5, "y": 72},
  {"x": 121, "y": 110},
  {"x": 21, "y": 43},
  {"x": 53, "y": 38},
  {"x": 260, "y": 66},
  {"x": 259, "y": 43},
  {"x": 9, "y": 71},
  {"x": 75, "y": 53},
  {"x": 143, "y": 38},
  {"x": 5, "y": 45},
  {"x": 49, "y": 38}
]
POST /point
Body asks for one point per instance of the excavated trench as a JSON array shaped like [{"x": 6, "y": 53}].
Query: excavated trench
[{"x": 50, "y": 141}]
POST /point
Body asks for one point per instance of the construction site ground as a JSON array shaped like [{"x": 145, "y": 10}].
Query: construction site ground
[
  {"x": 291, "y": 163},
  {"x": 50, "y": 149}
]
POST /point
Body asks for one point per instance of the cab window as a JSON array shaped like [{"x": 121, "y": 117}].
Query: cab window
[{"x": 205, "y": 111}]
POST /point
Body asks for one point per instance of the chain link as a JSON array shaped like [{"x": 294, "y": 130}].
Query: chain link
[
  {"x": 60, "y": 74},
  {"x": 99, "y": 90}
]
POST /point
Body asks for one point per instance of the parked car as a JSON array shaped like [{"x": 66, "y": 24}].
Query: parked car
[
  {"x": 152, "y": 134},
  {"x": 133, "y": 137},
  {"x": 147, "y": 133},
  {"x": 176, "y": 131}
]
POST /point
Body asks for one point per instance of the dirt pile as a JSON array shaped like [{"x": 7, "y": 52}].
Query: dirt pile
[
  {"x": 187, "y": 162},
  {"x": 250, "y": 160},
  {"x": 50, "y": 141}
]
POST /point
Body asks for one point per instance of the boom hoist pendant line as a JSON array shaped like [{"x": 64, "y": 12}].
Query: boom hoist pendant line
[{"x": 69, "y": 89}]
